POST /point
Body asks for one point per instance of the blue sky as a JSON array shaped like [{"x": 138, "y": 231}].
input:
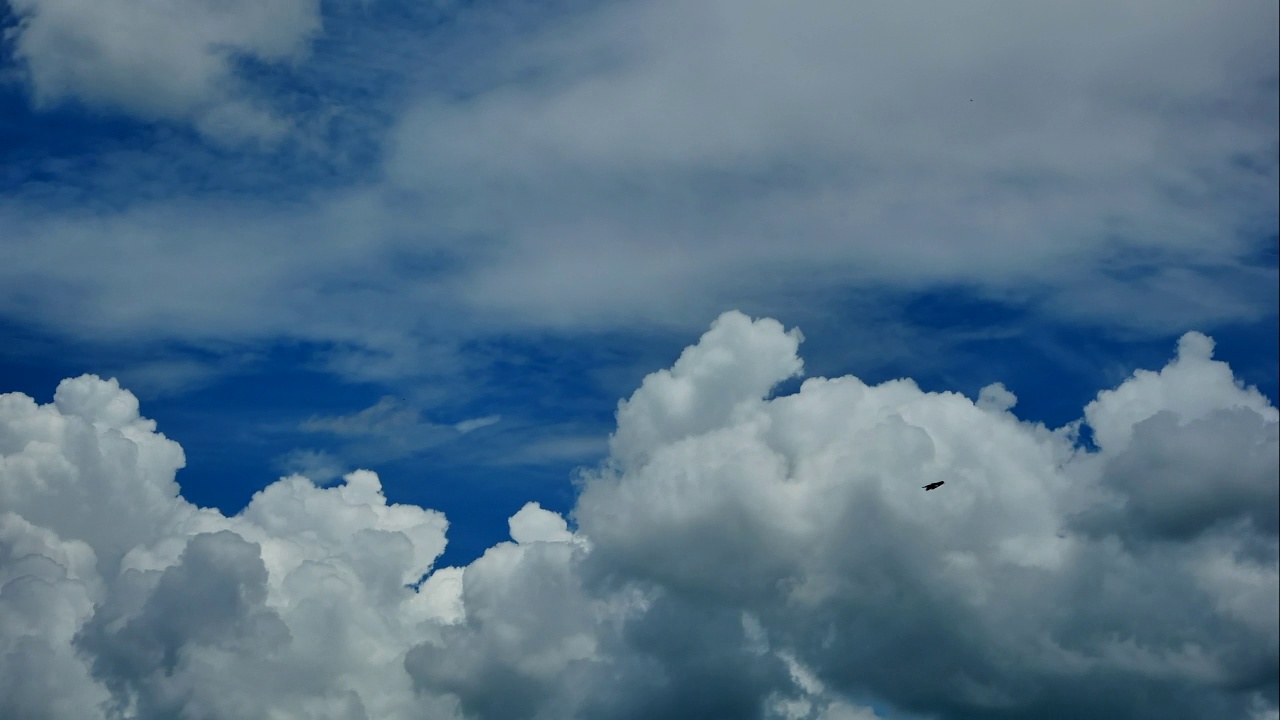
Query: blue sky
[{"x": 442, "y": 241}]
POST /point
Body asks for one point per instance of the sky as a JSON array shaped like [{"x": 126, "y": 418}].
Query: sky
[{"x": 584, "y": 359}]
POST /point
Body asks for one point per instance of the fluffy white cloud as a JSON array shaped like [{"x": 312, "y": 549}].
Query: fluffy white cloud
[
  {"x": 982, "y": 598},
  {"x": 788, "y": 541},
  {"x": 1188, "y": 448},
  {"x": 167, "y": 60},
  {"x": 533, "y": 524},
  {"x": 47, "y": 591},
  {"x": 739, "y": 555},
  {"x": 300, "y": 606}
]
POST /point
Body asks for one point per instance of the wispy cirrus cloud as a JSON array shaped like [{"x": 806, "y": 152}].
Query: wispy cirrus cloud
[{"x": 391, "y": 429}]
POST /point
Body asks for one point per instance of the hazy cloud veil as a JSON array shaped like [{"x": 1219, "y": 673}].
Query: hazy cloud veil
[{"x": 738, "y": 555}]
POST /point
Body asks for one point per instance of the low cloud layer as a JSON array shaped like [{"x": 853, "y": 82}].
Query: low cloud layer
[{"x": 739, "y": 555}]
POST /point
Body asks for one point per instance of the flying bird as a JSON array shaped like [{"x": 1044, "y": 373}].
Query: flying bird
[{"x": 933, "y": 485}]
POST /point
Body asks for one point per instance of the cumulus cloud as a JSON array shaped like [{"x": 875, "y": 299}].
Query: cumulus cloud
[
  {"x": 805, "y": 510},
  {"x": 148, "y": 606},
  {"x": 738, "y": 555},
  {"x": 166, "y": 61},
  {"x": 1188, "y": 447}
]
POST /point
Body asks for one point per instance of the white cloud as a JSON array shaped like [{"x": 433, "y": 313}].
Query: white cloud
[
  {"x": 294, "y": 608},
  {"x": 996, "y": 397},
  {"x": 318, "y": 466},
  {"x": 739, "y": 555},
  {"x": 557, "y": 448},
  {"x": 1192, "y": 386},
  {"x": 391, "y": 429},
  {"x": 388, "y": 415},
  {"x": 533, "y": 524},
  {"x": 473, "y": 424},
  {"x": 47, "y": 591},
  {"x": 661, "y": 155},
  {"x": 650, "y": 163},
  {"x": 174, "y": 376},
  {"x": 168, "y": 61}
]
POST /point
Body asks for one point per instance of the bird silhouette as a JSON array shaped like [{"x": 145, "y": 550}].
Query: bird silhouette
[{"x": 933, "y": 485}]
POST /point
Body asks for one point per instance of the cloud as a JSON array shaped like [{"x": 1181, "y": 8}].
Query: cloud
[
  {"x": 176, "y": 375},
  {"x": 318, "y": 466},
  {"x": 818, "y": 506},
  {"x": 557, "y": 448},
  {"x": 391, "y": 429},
  {"x": 738, "y": 554},
  {"x": 144, "y": 602},
  {"x": 170, "y": 61},
  {"x": 736, "y": 531},
  {"x": 658, "y": 155},
  {"x": 47, "y": 591},
  {"x": 385, "y": 416},
  {"x": 1188, "y": 447},
  {"x": 626, "y": 167},
  {"x": 474, "y": 424},
  {"x": 533, "y": 524}
]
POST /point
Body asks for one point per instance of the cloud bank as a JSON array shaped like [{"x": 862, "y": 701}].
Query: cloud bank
[
  {"x": 630, "y": 166},
  {"x": 739, "y": 555},
  {"x": 1079, "y": 157}
]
